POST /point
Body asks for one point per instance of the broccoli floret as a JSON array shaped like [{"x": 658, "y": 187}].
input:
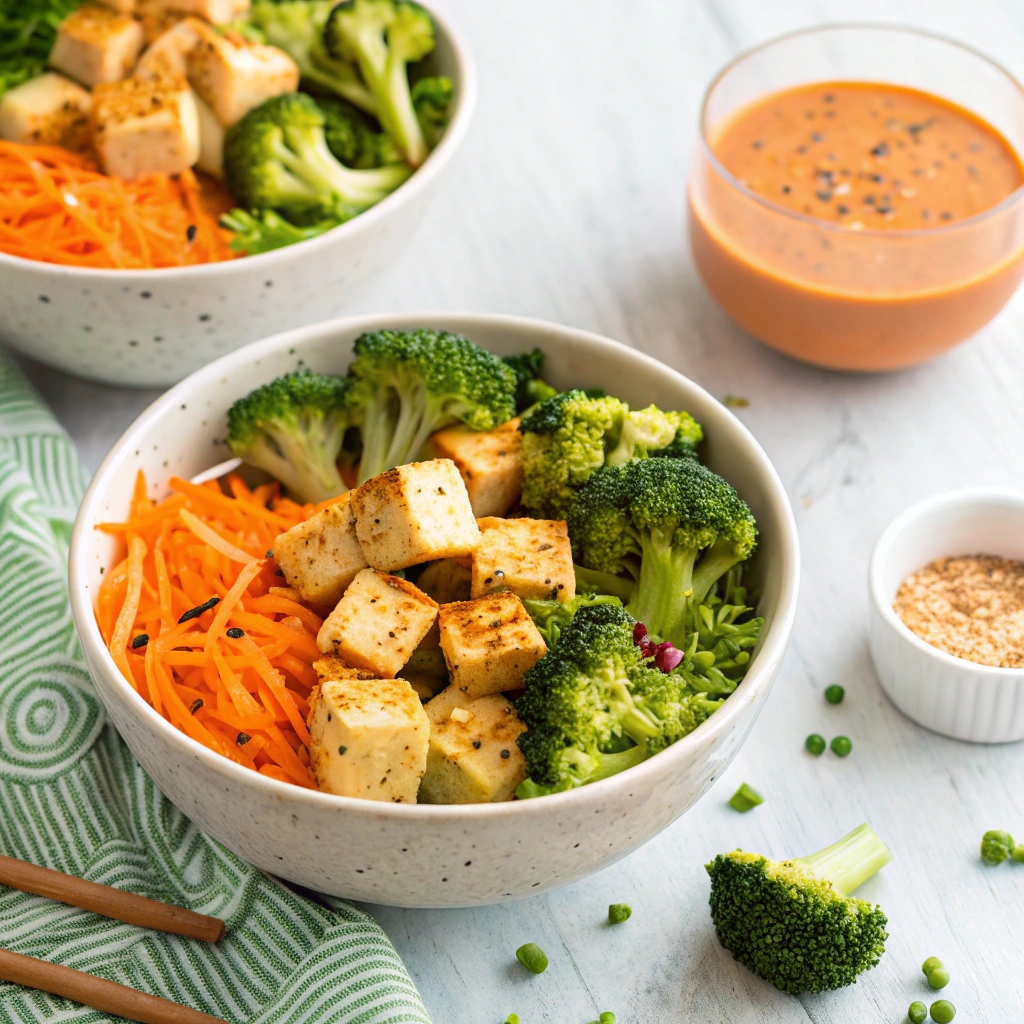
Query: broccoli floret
[
  {"x": 675, "y": 526},
  {"x": 353, "y": 138},
  {"x": 383, "y": 37},
  {"x": 794, "y": 922},
  {"x": 593, "y": 707},
  {"x": 294, "y": 428},
  {"x": 276, "y": 157},
  {"x": 266, "y": 230},
  {"x": 432, "y": 101},
  {"x": 407, "y": 384},
  {"x": 297, "y": 26},
  {"x": 551, "y": 617},
  {"x": 569, "y": 436},
  {"x": 530, "y": 388},
  {"x": 996, "y": 846}
]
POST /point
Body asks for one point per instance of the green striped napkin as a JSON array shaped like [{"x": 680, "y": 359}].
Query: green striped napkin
[{"x": 72, "y": 797}]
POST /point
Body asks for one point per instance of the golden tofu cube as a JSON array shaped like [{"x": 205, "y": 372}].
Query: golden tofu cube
[
  {"x": 530, "y": 557},
  {"x": 446, "y": 580},
  {"x": 413, "y": 514},
  {"x": 489, "y": 461},
  {"x": 378, "y": 623},
  {"x": 233, "y": 75},
  {"x": 489, "y": 643},
  {"x": 217, "y": 12},
  {"x": 321, "y": 556},
  {"x": 95, "y": 44},
  {"x": 121, "y": 6},
  {"x": 368, "y": 739},
  {"x": 330, "y": 666},
  {"x": 48, "y": 110},
  {"x": 474, "y": 759},
  {"x": 145, "y": 125}
]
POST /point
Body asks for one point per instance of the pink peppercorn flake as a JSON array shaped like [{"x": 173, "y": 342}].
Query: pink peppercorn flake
[
  {"x": 668, "y": 657},
  {"x": 639, "y": 634}
]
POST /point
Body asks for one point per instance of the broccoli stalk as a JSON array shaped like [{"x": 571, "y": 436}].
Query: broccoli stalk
[
  {"x": 383, "y": 37},
  {"x": 296, "y": 26},
  {"x": 294, "y": 428},
  {"x": 406, "y": 385},
  {"x": 794, "y": 922},
  {"x": 673, "y": 525},
  {"x": 593, "y": 706}
]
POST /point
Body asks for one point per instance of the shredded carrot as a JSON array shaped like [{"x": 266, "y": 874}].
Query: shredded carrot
[
  {"x": 242, "y": 695},
  {"x": 56, "y": 207}
]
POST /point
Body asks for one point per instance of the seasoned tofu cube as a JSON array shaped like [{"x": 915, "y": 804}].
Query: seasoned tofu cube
[
  {"x": 121, "y": 6},
  {"x": 489, "y": 643},
  {"x": 321, "y": 556},
  {"x": 211, "y": 139},
  {"x": 233, "y": 75},
  {"x": 378, "y": 623},
  {"x": 489, "y": 461},
  {"x": 530, "y": 557},
  {"x": 49, "y": 109},
  {"x": 446, "y": 580},
  {"x": 145, "y": 125},
  {"x": 330, "y": 666},
  {"x": 217, "y": 12},
  {"x": 414, "y": 514},
  {"x": 368, "y": 738},
  {"x": 473, "y": 756},
  {"x": 170, "y": 50},
  {"x": 95, "y": 44}
]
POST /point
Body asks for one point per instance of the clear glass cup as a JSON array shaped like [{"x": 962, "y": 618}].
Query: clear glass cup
[{"x": 866, "y": 300}]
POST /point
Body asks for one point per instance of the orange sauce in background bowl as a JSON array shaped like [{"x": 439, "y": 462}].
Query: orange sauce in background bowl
[{"x": 858, "y": 224}]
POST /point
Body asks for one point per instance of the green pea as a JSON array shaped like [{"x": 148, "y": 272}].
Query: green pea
[
  {"x": 939, "y": 978},
  {"x": 533, "y": 958},
  {"x": 619, "y": 912},
  {"x": 918, "y": 1012},
  {"x": 815, "y": 744},
  {"x": 834, "y": 694},
  {"x": 607, "y": 1017},
  {"x": 943, "y": 1011},
  {"x": 931, "y": 964},
  {"x": 513, "y": 1018},
  {"x": 745, "y": 799},
  {"x": 841, "y": 746},
  {"x": 1018, "y": 853}
]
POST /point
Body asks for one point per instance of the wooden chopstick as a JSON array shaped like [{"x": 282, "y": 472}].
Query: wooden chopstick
[
  {"x": 115, "y": 903},
  {"x": 100, "y": 994}
]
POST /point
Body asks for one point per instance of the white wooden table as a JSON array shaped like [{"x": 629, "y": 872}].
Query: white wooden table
[{"x": 567, "y": 204}]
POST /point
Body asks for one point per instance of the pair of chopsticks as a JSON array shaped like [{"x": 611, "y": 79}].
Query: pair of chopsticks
[{"x": 100, "y": 994}]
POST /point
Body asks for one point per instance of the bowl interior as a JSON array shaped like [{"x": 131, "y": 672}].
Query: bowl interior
[
  {"x": 181, "y": 434},
  {"x": 970, "y": 522}
]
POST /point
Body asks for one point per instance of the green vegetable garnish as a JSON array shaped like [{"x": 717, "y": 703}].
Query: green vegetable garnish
[
  {"x": 619, "y": 912},
  {"x": 532, "y": 957},
  {"x": 996, "y": 846},
  {"x": 815, "y": 744},
  {"x": 841, "y": 746},
  {"x": 939, "y": 978},
  {"x": 943, "y": 1011},
  {"x": 745, "y": 799},
  {"x": 794, "y": 922},
  {"x": 918, "y": 1012},
  {"x": 931, "y": 964},
  {"x": 834, "y": 694}
]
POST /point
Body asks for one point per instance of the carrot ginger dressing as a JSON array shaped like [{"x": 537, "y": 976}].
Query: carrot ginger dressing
[{"x": 869, "y": 156}]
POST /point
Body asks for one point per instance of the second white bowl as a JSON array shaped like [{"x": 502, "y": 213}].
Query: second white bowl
[{"x": 946, "y": 694}]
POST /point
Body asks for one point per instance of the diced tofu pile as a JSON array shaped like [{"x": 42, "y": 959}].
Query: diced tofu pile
[
  {"x": 424, "y": 602},
  {"x": 161, "y": 107}
]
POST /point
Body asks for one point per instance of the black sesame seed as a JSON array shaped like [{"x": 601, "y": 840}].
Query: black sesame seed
[
  {"x": 506, "y": 754},
  {"x": 145, "y": 295},
  {"x": 140, "y": 641},
  {"x": 341, "y": 750},
  {"x": 190, "y": 232},
  {"x": 205, "y": 316},
  {"x": 235, "y": 633},
  {"x": 842, "y": 210},
  {"x": 825, "y": 197},
  {"x": 196, "y": 705},
  {"x": 243, "y": 738},
  {"x": 882, "y": 149},
  {"x": 194, "y": 613},
  {"x": 786, "y": 190},
  {"x": 476, "y": 744},
  {"x": 44, "y": 298}
]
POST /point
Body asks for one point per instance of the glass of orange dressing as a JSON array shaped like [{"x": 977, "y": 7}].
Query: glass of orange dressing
[{"x": 857, "y": 200}]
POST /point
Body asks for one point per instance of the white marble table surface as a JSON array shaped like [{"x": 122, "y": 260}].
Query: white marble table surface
[{"x": 568, "y": 204}]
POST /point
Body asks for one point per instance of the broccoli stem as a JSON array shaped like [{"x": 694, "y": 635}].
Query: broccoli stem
[
  {"x": 666, "y": 579},
  {"x": 850, "y": 862},
  {"x": 714, "y": 563},
  {"x": 378, "y": 426},
  {"x": 611, "y": 764},
  {"x": 604, "y": 583},
  {"x": 357, "y": 94}
]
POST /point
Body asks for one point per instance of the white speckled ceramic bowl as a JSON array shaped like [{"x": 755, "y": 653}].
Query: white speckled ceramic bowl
[
  {"x": 958, "y": 698},
  {"x": 149, "y": 328},
  {"x": 428, "y": 856}
]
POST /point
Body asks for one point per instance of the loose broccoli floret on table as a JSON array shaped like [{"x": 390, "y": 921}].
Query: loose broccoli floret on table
[
  {"x": 593, "y": 706},
  {"x": 294, "y": 428},
  {"x": 573, "y": 434},
  {"x": 996, "y": 846},
  {"x": 794, "y": 922},
  {"x": 673, "y": 525},
  {"x": 297, "y": 26},
  {"x": 407, "y": 384},
  {"x": 277, "y": 158},
  {"x": 383, "y": 37}
]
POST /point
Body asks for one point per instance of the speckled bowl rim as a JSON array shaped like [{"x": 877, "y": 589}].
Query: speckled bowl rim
[
  {"x": 437, "y": 160},
  {"x": 888, "y": 542},
  {"x": 761, "y": 673}
]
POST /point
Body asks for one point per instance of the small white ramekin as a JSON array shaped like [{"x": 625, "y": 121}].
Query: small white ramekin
[{"x": 948, "y": 695}]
